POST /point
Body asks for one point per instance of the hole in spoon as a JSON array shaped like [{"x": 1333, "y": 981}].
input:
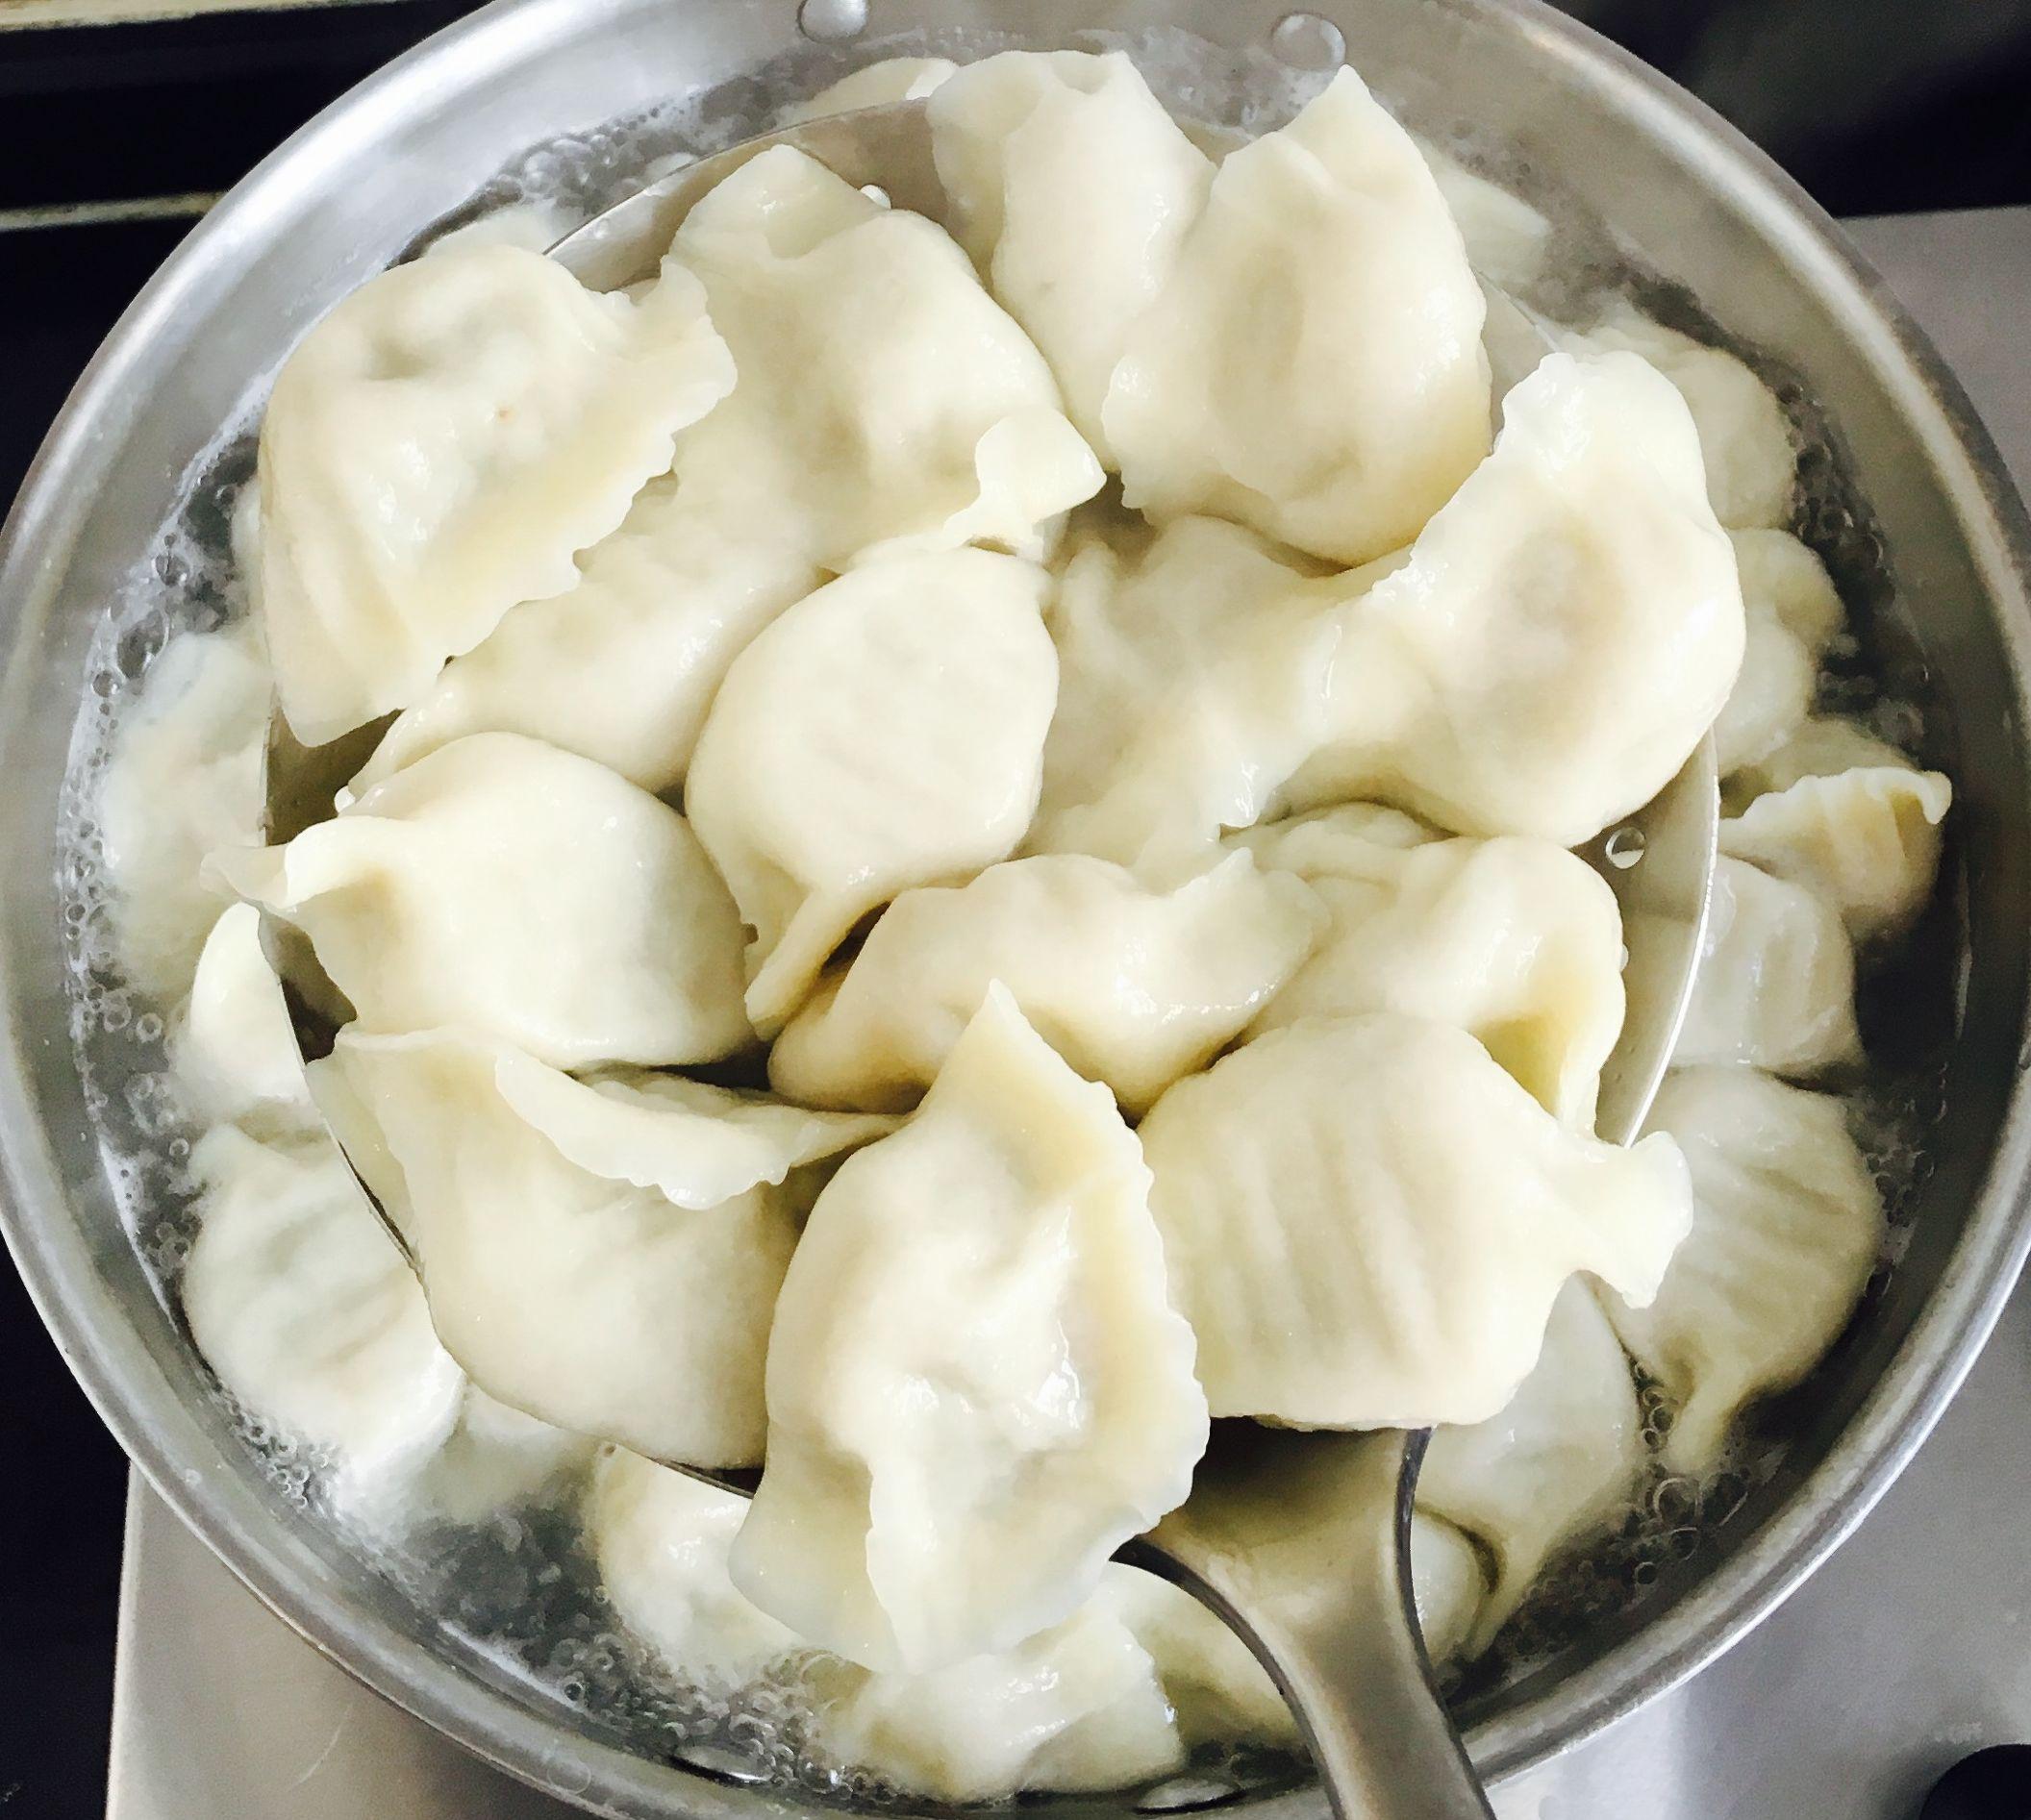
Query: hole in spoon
[
  {"x": 1305, "y": 40},
  {"x": 1624, "y": 847},
  {"x": 722, "y": 1763},
  {"x": 832, "y": 21},
  {"x": 1188, "y": 1794}
]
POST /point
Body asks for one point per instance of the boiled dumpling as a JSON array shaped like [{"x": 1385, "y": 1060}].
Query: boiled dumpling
[
  {"x": 1564, "y": 630},
  {"x": 1448, "y": 1584},
  {"x": 888, "y": 732},
  {"x": 1514, "y": 940},
  {"x": 1823, "y": 746},
  {"x": 602, "y": 1255},
  {"x": 877, "y": 85},
  {"x": 1751, "y": 465},
  {"x": 1367, "y": 1222},
  {"x": 493, "y": 1459},
  {"x": 1865, "y": 841},
  {"x": 1561, "y": 1458},
  {"x": 184, "y": 777},
  {"x": 308, "y": 1314},
  {"x": 502, "y": 885},
  {"x": 623, "y": 667},
  {"x": 1775, "y": 987},
  {"x": 440, "y": 446},
  {"x": 1131, "y": 984},
  {"x": 1313, "y": 366},
  {"x": 1793, "y": 614},
  {"x": 885, "y": 397},
  {"x": 977, "y": 1385},
  {"x": 1196, "y": 675},
  {"x": 1072, "y": 189},
  {"x": 234, "y": 1050},
  {"x": 1786, "y": 1229},
  {"x": 1508, "y": 241}
]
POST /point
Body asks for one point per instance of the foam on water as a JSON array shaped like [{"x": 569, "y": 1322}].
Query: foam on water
[{"x": 518, "y": 1595}]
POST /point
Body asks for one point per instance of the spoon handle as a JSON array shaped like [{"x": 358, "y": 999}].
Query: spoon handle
[{"x": 1299, "y": 1541}]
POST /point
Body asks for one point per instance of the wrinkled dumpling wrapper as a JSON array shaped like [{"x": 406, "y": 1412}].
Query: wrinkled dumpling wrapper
[
  {"x": 1514, "y": 940},
  {"x": 1793, "y": 614},
  {"x": 503, "y": 885},
  {"x": 621, "y": 668},
  {"x": 1314, "y": 366},
  {"x": 1132, "y": 984},
  {"x": 876, "y": 84},
  {"x": 1786, "y": 1229},
  {"x": 604, "y": 1256},
  {"x": 1564, "y": 631},
  {"x": 1560, "y": 1461},
  {"x": 441, "y": 446},
  {"x": 1367, "y": 1222},
  {"x": 1775, "y": 987},
  {"x": 885, "y": 733},
  {"x": 885, "y": 398},
  {"x": 977, "y": 1385},
  {"x": 1073, "y": 190}
]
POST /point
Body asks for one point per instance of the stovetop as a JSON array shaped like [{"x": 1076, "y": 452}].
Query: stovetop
[{"x": 1908, "y": 1649}]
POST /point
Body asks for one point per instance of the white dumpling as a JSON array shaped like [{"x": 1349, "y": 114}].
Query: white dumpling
[
  {"x": 604, "y": 1256},
  {"x": 1447, "y": 1585},
  {"x": 885, "y": 397},
  {"x": 504, "y": 886},
  {"x": 1508, "y": 241},
  {"x": 1218, "y": 1689},
  {"x": 1865, "y": 841},
  {"x": 887, "y": 732},
  {"x": 494, "y": 1459},
  {"x": 1559, "y": 1460},
  {"x": 184, "y": 777},
  {"x": 440, "y": 446},
  {"x": 1775, "y": 987},
  {"x": 308, "y": 1314},
  {"x": 623, "y": 667},
  {"x": 1793, "y": 614},
  {"x": 977, "y": 1385},
  {"x": 1787, "y": 1227},
  {"x": 1314, "y": 366},
  {"x": 1197, "y": 673},
  {"x": 233, "y": 1052},
  {"x": 877, "y": 85},
  {"x": 1564, "y": 631},
  {"x": 1514, "y": 940},
  {"x": 1367, "y": 1222},
  {"x": 1825, "y": 745},
  {"x": 1132, "y": 984},
  {"x": 1751, "y": 463},
  {"x": 1072, "y": 189}
]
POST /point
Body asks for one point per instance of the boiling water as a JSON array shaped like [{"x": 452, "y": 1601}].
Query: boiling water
[{"x": 517, "y": 1595}]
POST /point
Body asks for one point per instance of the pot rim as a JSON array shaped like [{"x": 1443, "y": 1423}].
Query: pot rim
[{"x": 162, "y": 1434}]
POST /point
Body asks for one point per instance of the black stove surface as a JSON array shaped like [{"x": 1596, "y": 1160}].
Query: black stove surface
[{"x": 1877, "y": 105}]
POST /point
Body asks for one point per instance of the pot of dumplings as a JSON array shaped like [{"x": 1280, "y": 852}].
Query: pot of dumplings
[{"x": 949, "y": 854}]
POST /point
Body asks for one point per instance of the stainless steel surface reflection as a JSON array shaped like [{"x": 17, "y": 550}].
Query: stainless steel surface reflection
[{"x": 1907, "y": 1650}]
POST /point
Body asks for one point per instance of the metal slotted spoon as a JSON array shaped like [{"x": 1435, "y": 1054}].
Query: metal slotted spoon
[{"x": 1299, "y": 1541}]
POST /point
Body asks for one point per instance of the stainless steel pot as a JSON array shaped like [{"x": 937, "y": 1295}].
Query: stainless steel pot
[{"x": 1693, "y": 203}]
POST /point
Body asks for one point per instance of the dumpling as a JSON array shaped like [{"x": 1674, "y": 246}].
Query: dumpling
[
  {"x": 1449, "y": 1587},
  {"x": 1559, "y": 1459},
  {"x": 503, "y": 885},
  {"x": 1508, "y": 242},
  {"x": 1514, "y": 940},
  {"x": 1196, "y": 674},
  {"x": 1131, "y": 984},
  {"x": 620, "y": 668},
  {"x": 1072, "y": 189},
  {"x": 1865, "y": 841},
  {"x": 184, "y": 777},
  {"x": 1793, "y": 614},
  {"x": 605, "y": 1254},
  {"x": 885, "y": 397},
  {"x": 1825, "y": 745},
  {"x": 877, "y": 85},
  {"x": 977, "y": 1385},
  {"x": 440, "y": 446},
  {"x": 494, "y": 1459},
  {"x": 1775, "y": 987},
  {"x": 1564, "y": 633},
  {"x": 309, "y": 1314},
  {"x": 885, "y": 733},
  {"x": 233, "y": 1052},
  {"x": 1751, "y": 463},
  {"x": 1312, "y": 368},
  {"x": 1785, "y": 1229},
  {"x": 1367, "y": 1222}
]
